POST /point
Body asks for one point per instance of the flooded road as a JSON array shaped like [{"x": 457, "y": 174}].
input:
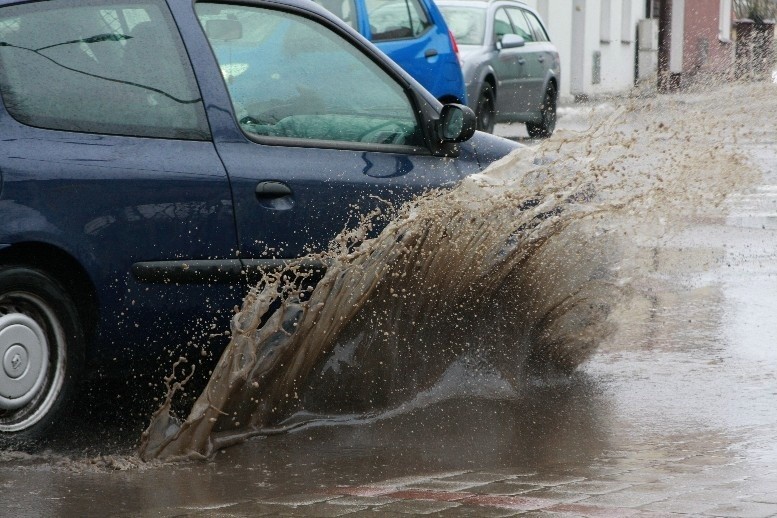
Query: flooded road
[{"x": 674, "y": 413}]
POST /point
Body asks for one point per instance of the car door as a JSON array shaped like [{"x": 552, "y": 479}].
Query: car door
[
  {"x": 510, "y": 68},
  {"x": 109, "y": 158},
  {"x": 547, "y": 53},
  {"x": 533, "y": 61},
  {"x": 323, "y": 132}
]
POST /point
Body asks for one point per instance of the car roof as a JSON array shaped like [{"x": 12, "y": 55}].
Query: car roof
[{"x": 483, "y": 3}]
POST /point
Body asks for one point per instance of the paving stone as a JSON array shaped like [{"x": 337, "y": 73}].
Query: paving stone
[
  {"x": 324, "y": 510},
  {"x": 480, "y": 512},
  {"x": 508, "y": 487},
  {"x": 477, "y": 478},
  {"x": 367, "y": 491},
  {"x": 438, "y": 496},
  {"x": 714, "y": 495},
  {"x": 296, "y": 500},
  {"x": 402, "y": 481},
  {"x": 362, "y": 500},
  {"x": 744, "y": 510},
  {"x": 665, "y": 488},
  {"x": 624, "y": 499},
  {"x": 372, "y": 513},
  {"x": 767, "y": 486},
  {"x": 247, "y": 509},
  {"x": 607, "y": 472},
  {"x": 593, "y": 487},
  {"x": 707, "y": 480},
  {"x": 677, "y": 505},
  {"x": 764, "y": 498},
  {"x": 417, "y": 507},
  {"x": 657, "y": 514},
  {"x": 579, "y": 509},
  {"x": 554, "y": 494},
  {"x": 444, "y": 485},
  {"x": 639, "y": 476},
  {"x": 519, "y": 503},
  {"x": 708, "y": 460},
  {"x": 417, "y": 479},
  {"x": 513, "y": 472},
  {"x": 551, "y": 481}
]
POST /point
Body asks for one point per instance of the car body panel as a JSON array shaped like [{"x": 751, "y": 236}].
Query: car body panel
[
  {"x": 154, "y": 209},
  {"x": 120, "y": 206}
]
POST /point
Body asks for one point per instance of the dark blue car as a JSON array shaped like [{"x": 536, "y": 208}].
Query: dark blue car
[{"x": 154, "y": 153}]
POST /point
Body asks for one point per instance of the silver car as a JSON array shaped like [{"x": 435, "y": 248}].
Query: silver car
[{"x": 510, "y": 67}]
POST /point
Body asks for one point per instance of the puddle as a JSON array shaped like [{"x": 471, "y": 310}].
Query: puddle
[{"x": 517, "y": 270}]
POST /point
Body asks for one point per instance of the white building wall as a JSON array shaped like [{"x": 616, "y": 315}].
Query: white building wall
[{"x": 579, "y": 28}]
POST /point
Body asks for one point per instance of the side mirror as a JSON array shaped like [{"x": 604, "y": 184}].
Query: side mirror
[
  {"x": 456, "y": 123},
  {"x": 224, "y": 30},
  {"x": 511, "y": 41}
]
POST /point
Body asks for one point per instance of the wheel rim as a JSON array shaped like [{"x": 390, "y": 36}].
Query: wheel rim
[
  {"x": 32, "y": 360},
  {"x": 485, "y": 112},
  {"x": 549, "y": 111}
]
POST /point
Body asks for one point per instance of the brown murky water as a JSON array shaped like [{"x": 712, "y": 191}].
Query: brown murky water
[
  {"x": 518, "y": 268},
  {"x": 643, "y": 244}
]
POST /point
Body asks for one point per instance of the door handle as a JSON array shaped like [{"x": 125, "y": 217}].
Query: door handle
[
  {"x": 430, "y": 53},
  {"x": 521, "y": 61},
  {"x": 541, "y": 59},
  {"x": 265, "y": 190}
]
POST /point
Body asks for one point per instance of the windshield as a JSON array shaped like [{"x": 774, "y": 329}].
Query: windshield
[{"x": 468, "y": 24}]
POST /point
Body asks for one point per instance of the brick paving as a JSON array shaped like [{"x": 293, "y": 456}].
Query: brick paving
[{"x": 488, "y": 494}]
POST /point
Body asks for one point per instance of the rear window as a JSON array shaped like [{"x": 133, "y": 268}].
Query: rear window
[
  {"x": 539, "y": 30},
  {"x": 468, "y": 24},
  {"x": 343, "y": 9},
  {"x": 396, "y": 19},
  {"x": 108, "y": 67}
]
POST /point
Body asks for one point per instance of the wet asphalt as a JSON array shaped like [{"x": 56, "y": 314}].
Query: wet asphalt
[{"x": 674, "y": 416}]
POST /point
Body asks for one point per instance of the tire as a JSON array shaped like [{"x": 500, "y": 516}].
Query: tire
[
  {"x": 485, "y": 111},
  {"x": 41, "y": 353},
  {"x": 547, "y": 124}
]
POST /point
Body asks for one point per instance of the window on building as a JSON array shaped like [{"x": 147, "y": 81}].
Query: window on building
[
  {"x": 627, "y": 27},
  {"x": 605, "y": 22}
]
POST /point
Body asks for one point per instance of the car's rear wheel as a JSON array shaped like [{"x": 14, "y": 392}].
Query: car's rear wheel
[
  {"x": 41, "y": 353},
  {"x": 485, "y": 111},
  {"x": 547, "y": 124}
]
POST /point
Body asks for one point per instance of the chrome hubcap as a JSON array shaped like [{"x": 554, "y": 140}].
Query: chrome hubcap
[{"x": 24, "y": 354}]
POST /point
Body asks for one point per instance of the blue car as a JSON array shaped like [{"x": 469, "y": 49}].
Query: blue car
[
  {"x": 414, "y": 34},
  {"x": 155, "y": 153}
]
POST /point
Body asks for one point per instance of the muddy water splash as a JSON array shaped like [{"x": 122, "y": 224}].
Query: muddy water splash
[{"x": 519, "y": 267}]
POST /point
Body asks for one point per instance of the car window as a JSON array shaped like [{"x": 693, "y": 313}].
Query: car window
[
  {"x": 109, "y": 67},
  {"x": 343, "y": 9},
  {"x": 502, "y": 24},
  {"x": 396, "y": 19},
  {"x": 291, "y": 78},
  {"x": 468, "y": 24},
  {"x": 537, "y": 28},
  {"x": 520, "y": 24}
]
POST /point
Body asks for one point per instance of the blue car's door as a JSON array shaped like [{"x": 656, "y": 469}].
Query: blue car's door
[
  {"x": 108, "y": 157},
  {"x": 323, "y": 131}
]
